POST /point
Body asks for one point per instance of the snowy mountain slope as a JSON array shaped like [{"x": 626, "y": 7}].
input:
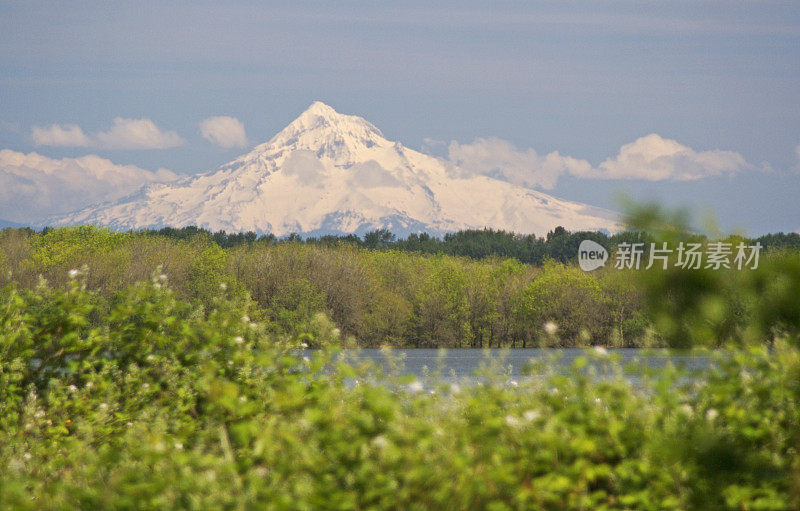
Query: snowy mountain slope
[{"x": 332, "y": 173}]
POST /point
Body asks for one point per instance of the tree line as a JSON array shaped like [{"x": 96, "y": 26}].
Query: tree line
[
  {"x": 558, "y": 245},
  {"x": 478, "y": 289},
  {"x": 378, "y": 296}
]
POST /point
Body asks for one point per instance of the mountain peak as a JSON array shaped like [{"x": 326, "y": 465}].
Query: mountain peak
[
  {"x": 327, "y": 133},
  {"x": 321, "y": 116},
  {"x": 328, "y": 172},
  {"x": 319, "y": 109}
]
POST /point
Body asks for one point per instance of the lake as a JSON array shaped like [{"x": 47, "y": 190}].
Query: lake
[{"x": 463, "y": 363}]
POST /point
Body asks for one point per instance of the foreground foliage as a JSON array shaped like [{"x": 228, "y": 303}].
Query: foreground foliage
[{"x": 146, "y": 401}]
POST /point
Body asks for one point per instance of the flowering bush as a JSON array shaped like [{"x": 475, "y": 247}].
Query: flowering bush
[{"x": 148, "y": 401}]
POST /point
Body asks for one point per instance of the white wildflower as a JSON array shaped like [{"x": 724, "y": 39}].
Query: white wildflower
[
  {"x": 238, "y": 339},
  {"x": 39, "y": 414},
  {"x": 513, "y": 383},
  {"x": 89, "y": 384},
  {"x": 223, "y": 286},
  {"x": 150, "y": 357},
  {"x": 415, "y": 386},
  {"x": 455, "y": 388},
  {"x": 512, "y": 421},
  {"x": 686, "y": 409},
  {"x": 73, "y": 273},
  {"x": 531, "y": 415},
  {"x": 550, "y": 327},
  {"x": 711, "y": 414},
  {"x": 601, "y": 351},
  {"x": 306, "y": 360},
  {"x": 178, "y": 446},
  {"x": 104, "y": 406},
  {"x": 245, "y": 319},
  {"x": 72, "y": 389},
  {"x": 26, "y": 456},
  {"x": 242, "y": 399},
  {"x": 380, "y": 442}
]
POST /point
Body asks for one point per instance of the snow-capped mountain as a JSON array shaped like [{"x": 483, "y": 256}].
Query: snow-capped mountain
[{"x": 332, "y": 173}]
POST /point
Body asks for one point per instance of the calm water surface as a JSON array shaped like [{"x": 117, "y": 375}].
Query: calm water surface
[{"x": 465, "y": 363}]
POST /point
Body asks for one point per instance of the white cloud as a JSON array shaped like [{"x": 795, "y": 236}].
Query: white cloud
[
  {"x": 124, "y": 134},
  {"x": 137, "y": 134},
  {"x": 501, "y": 159},
  {"x": 651, "y": 158},
  {"x": 224, "y": 131},
  {"x": 655, "y": 158},
  {"x": 33, "y": 186},
  {"x": 70, "y": 135}
]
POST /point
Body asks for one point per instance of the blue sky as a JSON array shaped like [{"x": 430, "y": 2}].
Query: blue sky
[{"x": 580, "y": 78}]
